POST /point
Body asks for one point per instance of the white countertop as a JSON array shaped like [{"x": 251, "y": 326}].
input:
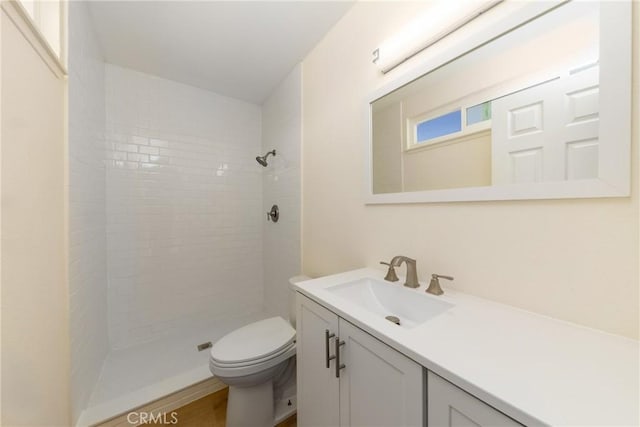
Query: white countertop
[{"x": 536, "y": 369}]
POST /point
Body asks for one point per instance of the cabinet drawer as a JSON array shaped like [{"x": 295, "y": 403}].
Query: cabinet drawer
[{"x": 450, "y": 406}]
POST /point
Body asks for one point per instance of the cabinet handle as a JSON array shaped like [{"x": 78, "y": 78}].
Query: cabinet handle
[
  {"x": 327, "y": 336},
  {"x": 338, "y": 364}
]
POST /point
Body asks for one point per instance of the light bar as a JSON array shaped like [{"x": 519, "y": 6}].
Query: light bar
[{"x": 445, "y": 17}]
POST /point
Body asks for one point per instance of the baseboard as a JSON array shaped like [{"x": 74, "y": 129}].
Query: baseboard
[{"x": 166, "y": 404}]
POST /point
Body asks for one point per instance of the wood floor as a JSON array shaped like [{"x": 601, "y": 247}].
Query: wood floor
[{"x": 211, "y": 411}]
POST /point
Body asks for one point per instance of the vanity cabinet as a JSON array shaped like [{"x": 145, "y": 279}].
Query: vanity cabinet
[
  {"x": 451, "y": 406},
  {"x": 377, "y": 386},
  {"x": 317, "y": 388}
]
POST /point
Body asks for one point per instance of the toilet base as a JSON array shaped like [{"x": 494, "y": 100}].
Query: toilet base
[
  {"x": 284, "y": 393},
  {"x": 250, "y": 406},
  {"x": 243, "y": 411},
  {"x": 284, "y": 408}
]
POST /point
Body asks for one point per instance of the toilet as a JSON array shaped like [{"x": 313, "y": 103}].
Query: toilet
[{"x": 257, "y": 362}]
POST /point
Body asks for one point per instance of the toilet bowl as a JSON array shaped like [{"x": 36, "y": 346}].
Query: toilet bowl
[
  {"x": 250, "y": 360},
  {"x": 258, "y": 364}
]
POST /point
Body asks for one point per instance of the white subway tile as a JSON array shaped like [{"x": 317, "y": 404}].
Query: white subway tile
[
  {"x": 149, "y": 150},
  {"x": 87, "y": 222},
  {"x": 138, "y": 140},
  {"x": 130, "y": 148},
  {"x": 164, "y": 220},
  {"x": 133, "y": 157},
  {"x": 281, "y": 121}
]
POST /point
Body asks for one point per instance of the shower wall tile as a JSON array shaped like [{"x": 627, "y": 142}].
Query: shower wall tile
[
  {"x": 184, "y": 207},
  {"x": 281, "y": 184},
  {"x": 87, "y": 221}
]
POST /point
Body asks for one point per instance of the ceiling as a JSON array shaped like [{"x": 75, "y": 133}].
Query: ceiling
[{"x": 241, "y": 49}]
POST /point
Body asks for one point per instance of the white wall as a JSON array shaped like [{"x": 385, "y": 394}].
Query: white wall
[
  {"x": 87, "y": 219},
  {"x": 282, "y": 131},
  {"x": 35, "y": 324},
  {"x": 184, "y": 206},
  {"x": 570, "y": 259}
]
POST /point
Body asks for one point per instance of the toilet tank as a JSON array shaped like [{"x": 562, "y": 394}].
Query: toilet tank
[{"x": 292, "y": 298}]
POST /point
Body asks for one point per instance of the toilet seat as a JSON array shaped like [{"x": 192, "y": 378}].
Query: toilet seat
[
  {"x": 223, "y": 371},
  {"x": 255, "y": 361},
  {"x": 252, "y": 348},
  {"x": 254, "y": 342}
]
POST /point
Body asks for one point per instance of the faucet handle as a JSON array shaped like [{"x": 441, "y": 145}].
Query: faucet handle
[
  {"x": 434, "y": 286},
  {"x": 391, "y": 272}
]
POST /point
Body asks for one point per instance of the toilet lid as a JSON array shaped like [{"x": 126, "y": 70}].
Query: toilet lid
[{"x": 254, "y": 341}]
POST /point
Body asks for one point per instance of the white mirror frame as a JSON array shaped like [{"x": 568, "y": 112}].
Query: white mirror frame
[{"x": 615, "y": 102}]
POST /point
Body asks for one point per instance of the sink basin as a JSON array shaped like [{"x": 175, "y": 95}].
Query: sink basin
[{"x": 410, "y": 307}]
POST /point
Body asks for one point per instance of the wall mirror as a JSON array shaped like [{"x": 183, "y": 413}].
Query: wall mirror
[{"x": 538, "y": 107}]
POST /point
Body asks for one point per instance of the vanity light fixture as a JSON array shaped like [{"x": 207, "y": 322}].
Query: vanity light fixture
[{"x": 442, "y": 19}]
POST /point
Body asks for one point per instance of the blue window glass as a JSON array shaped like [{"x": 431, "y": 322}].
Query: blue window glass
[
  {"x": 479, "y": 113},
  {"x": 439, "y": 126}
]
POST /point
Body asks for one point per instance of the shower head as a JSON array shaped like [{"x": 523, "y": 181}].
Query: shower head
[{"x": 263, "y": 159}]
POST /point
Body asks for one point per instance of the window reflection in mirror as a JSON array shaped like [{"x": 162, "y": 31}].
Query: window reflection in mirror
[{"x": 523, "y": 108}]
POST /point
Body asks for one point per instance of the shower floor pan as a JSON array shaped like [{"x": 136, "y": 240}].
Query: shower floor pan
[{"x": 137, "y": 375}]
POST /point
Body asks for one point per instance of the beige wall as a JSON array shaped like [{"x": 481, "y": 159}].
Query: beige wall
[
  {"x": 570, "y": 259},
  {"x": 461, "y": 162},
  {"x": 387, "y": 149},
  {"x": 35, "y": 336},
  {"x": 1, "y": 315}
]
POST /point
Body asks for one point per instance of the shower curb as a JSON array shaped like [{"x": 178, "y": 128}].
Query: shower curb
[{"x": 167, "y": 403}]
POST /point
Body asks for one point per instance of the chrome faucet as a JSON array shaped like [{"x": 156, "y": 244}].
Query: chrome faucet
[{"x": 412, "y": 273}]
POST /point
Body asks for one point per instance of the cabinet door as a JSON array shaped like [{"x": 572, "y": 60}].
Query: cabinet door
[
  {"x": 318, "y": 400},
  {"x": 378, "y": 385},
  {"x": 450, "y": 406}
]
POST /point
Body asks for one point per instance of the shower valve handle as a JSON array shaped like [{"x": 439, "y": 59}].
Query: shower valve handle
[{"x": 273, "y": 214}]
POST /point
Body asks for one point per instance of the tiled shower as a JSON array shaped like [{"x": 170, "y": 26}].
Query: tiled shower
[
  {"x": 170, "y": 245},
  {"x": 184, "y": 197}
]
